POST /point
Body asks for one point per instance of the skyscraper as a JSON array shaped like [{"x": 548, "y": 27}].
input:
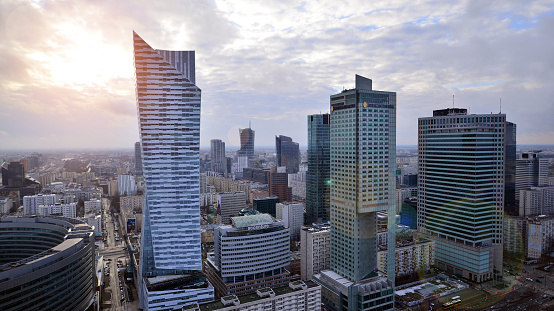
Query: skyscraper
[
  {"x": 288, "y": 153},
  {"x": 461, "y": 190},
  {"x": 247, "y": 145},
  {"x": 217, "y": 155},
  {"x": 531, "y": 171},
  {"x": 168, "y": 106},
  {"x": 318, "y": 176},
  {"x": 138, "y": 159},
  {"x": 363, "y": 167}
]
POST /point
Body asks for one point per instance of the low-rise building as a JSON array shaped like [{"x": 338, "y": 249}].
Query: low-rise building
[
  {"x": 5, "y": 205},
  {"x": 297, "y": 296}
]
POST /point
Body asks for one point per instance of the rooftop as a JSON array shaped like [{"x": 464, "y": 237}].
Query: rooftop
[{"x": 251, "y": 220}]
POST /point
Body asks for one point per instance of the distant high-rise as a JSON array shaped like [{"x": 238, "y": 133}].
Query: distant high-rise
[
  {"x": 288, "y": 154},
  {"x": 168, "y": 106},
  {"x": 363, "y": 169},
  {"x": 318, "y": 176},
  {"x": 279, "y": 186},
  {"x": 247, "y": 145},
  {"x": 14, "y": 175},
  {"x": 217, "y": 155},
  {"x": 461, "y": 190},
  {"x": 138, "y": 159},
  {"x": 531, "y": 171},
  {"x": 510, "y": 204}
]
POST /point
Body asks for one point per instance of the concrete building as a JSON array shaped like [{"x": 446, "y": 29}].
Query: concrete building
[
  {"x": 47, "y": 263},
  {"x": 95, "y": 222},
  {"x": 461, "y": 190},
  {"x": 292, "y": 214},
  {"x": 250, "y": 254},
  {"x": 68, "y": 210},
  {"x": 536, "y": 201},
  {"x": 138, "y": 159},
  {"x": 168, "y": 107},
  {"x": 410, "y": 258},
  {"x": 126, "y": 185},
  {"x": 318, "y": 176},
  {"x": 132, "y": 203},
  {"x": 229, "y": 205},
  {"x": 514, "y": 234},
  {"x": 363, "y": 168},
  {"x": 297, "y": 296},
  {"x": 297, "y": 182},
  {"x": 92, "y": 206},
  {"x": 32, "y": 202},
  {"x": 315, "y": 250},
  {"x": 217, "y": 156},
  {"x": 531, "y": 171},
  {"x": 6, "y": 204},
  {"x": 540, "y": 236}
]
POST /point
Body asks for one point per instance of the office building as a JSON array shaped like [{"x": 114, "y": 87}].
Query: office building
[
  {"x": 510, "y": 203},
  {"x": 168, "y": 106},
  {"x": 296, "y": 296},
  {"x": 287, "y": 154},
  {"x": 250, "y": 254},
  {"x": 292, "y": 214},
  {"x": 461, "y": 190},
  {"x": 138, "y": 159},
  {"x": 32, "y": 202},
  {"x": 47, "y": 263},
  {"x": 247, "y": 147},
  {"x": 229, "y": 204},
  {"x": 318, "y": 176},
  {"x": 14, "y": 175},
  {"x": 256, "y": 174},
  {"x": 266, "y": 205},
  {"x": 217, "y": 156},
  {"x": 315, "y": 250},
  {"x": 279, "y": 186},
  {"x": 536, "y": 201},
  {"x": 531, "y": 171},
  {"x": 363, "y": 168}
]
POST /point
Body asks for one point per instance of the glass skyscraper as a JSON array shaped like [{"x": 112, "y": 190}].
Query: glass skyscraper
[
  {"x": 287, "y": 153},
  {"x": 363, "y": 168},
  {"x": 247, "y": 145},
  {"x": 318, "y": 176},
  {"x": 168, "y": 107},
  {"x": 461, "y": 189}
]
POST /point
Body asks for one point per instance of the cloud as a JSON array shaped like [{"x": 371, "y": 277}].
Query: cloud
[{"x": 69, "y": 64}]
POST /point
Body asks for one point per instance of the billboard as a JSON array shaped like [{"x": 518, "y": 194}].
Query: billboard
[{"x": 131, "y": 225}]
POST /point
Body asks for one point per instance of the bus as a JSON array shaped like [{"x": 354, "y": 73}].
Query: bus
[{"x": 451, "y": 304}]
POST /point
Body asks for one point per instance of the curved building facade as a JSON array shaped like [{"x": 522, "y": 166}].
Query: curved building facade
[{"x": 47, "y": 263}]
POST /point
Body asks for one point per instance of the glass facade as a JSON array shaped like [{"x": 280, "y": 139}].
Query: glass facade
[
  {"x": 318, "y": 176},
  {"x": 288, "y": 153}
]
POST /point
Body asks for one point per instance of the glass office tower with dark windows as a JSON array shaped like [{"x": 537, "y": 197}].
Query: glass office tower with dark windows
[
  {"x": 461, "y": 190},
  {"x": 287, "y": 154},
  {"x": 138, "y": 159},
  {"x": 318, "y": 176},
  {"x": 247, "y": 145},
  {"x": 363, "y": 170},
  {"x": 168, "y": 107}
]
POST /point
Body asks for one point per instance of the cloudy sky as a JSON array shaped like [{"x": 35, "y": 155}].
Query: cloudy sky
[{"x": 67, "y": 80}]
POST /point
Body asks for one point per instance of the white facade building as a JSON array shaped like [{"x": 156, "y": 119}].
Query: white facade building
[
  {"x": 67, "y": 210},
  {"x": 92, "y": 206},
  {"x": 32, "y": 202},
  {"x": 540, "y": 232},
  {"x": 292, "y": 215},
  {"x": 536, "y": 201},
  {"x": 315, "y": 250},
  {"x": 5, "y": 205},
  {"x": 409, "y": 259},
  {"x": 132, "y": 203},
  {"x": 229, "y": 204}
]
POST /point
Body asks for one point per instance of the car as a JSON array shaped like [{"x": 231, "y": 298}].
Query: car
[{"x": 538, "y": 281}]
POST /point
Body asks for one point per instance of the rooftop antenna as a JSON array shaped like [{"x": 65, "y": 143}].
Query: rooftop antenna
[
  {"x": 500, "y": 105},
  {"x": 452, "y": 101},
  {"x": 249, "y": 124}
]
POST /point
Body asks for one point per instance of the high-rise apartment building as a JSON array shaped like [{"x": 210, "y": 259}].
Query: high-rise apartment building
[
  {"x": 32, "y": 202},
  {"x": 292, "y": 215},
  {"x": 287, "y": 153},
  {"x": 168, "y": 106},
  {"x": 315, "y": 251},
  {"x": 461, "y": 190},
  {"x": 363, "y": 168},
  {"x": 531, "y": 171},
  {"x": 138, "y": 159},
  {"x": 217, "y": 155},
  {"x": 318, "y": 176},
  {"x": 536, "y": 201},
  {"x": 247, "y": 146}
]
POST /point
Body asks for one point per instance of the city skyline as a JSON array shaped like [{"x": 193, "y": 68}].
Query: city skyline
[{"x": 70, "y": 79}]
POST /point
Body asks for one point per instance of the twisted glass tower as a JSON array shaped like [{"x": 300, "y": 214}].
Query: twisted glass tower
[{"x": 168, "y": 107}]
